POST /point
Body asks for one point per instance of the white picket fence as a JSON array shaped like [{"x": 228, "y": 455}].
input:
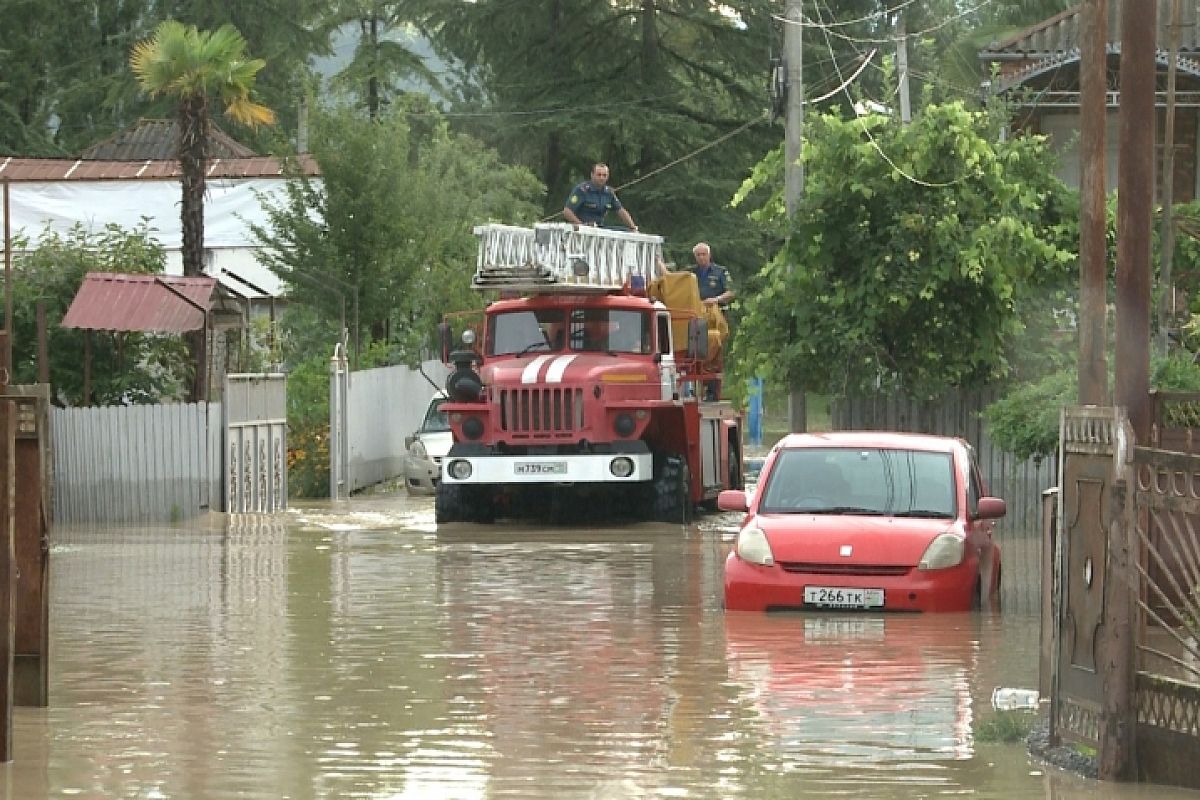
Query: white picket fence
[{"x": 136, "y": 464}]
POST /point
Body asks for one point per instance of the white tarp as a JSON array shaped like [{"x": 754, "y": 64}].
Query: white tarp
[{"x": 229, "y": 208}]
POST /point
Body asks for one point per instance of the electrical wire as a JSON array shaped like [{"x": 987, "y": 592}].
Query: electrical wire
[
  {"x": 829, "y": 28},
  {"x": 875, "y": 144}
]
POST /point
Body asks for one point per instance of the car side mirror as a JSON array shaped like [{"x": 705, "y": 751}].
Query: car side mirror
[
  {"x": 732, "y": 500},
  {"x": 991, "y": 508},
  {"x": 408, "y": 441}
]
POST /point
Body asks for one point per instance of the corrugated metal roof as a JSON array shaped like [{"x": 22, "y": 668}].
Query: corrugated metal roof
[
  {"x": 1059, "y": 34},
  {"x": 111, "y": 301},
  {"x": 64, "y": 169},
  {"x": 156, "y": 140}
]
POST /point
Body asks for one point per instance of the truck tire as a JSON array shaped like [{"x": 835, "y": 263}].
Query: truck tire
[
  {"x": 458, "y": 503},
  {"x": 671, "y": 501}
]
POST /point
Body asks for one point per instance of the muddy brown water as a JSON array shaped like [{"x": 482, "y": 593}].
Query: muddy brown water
[{"x": 354, "y": 651}]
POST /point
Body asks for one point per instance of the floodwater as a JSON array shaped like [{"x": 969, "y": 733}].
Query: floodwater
[{"x": 354, "y": 651}]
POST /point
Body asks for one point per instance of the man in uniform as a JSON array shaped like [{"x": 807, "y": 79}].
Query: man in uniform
[
  {"x": 591, "y": 200},
  {"x": 713, "y": 279}
]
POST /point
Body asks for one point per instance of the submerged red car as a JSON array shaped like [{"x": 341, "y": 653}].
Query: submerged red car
[{"x": 865, "y": 520}]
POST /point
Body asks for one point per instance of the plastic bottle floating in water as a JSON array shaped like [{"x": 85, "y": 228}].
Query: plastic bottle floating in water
[{"x": 1004, "y": 699}]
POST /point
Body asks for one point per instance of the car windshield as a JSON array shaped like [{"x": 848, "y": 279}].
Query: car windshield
[
  {"x": 861, "y": 481},
  {"x": 520, "y": 332},
  {"x": 435, "y": 418}
]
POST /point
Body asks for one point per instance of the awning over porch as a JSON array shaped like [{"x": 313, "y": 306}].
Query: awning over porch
[{"x": 110, "y": 301}]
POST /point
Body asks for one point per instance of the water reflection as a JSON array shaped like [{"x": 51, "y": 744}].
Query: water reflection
[{"x": 356, "y": 651}]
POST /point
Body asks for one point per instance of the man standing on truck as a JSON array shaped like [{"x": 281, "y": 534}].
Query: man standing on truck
[
  {"x": 713, "y": 279},
  {"x": 591, "y": 200}
]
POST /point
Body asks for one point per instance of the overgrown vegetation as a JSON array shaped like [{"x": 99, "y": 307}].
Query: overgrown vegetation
[
  {"x": 1007, "y": 727},
  {"x": 126, "y": 367},
  {"x": 918, "y": 271}
]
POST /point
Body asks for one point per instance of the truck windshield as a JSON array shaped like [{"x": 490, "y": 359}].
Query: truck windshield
[
  {"x": 520, "y": 332},
  {"x": 607, "y": 330}
]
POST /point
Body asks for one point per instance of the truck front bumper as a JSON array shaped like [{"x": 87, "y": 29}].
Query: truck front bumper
[{"x": 591, "y": 468}]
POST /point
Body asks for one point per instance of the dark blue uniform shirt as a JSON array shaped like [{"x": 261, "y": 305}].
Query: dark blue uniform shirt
[
  {"x": 713, "y": 280},
  {"x": 590, "y": 203}
]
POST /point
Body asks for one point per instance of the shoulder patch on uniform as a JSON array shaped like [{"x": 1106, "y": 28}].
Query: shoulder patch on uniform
[{"x": 574, "y": 198}]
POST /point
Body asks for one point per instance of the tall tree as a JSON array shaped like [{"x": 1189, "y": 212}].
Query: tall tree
[
  {"x": 386, "y": 61},
  {"x": 197, "y": 68},
  {"x": 670, "y": 93},
  {"x": 389, "y": 222}
]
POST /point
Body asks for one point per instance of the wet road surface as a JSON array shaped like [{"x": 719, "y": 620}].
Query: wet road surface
[{"x": 354, "y": 651}]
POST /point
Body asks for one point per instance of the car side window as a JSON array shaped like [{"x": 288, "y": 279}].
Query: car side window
[{"x": 974, "y": 490}]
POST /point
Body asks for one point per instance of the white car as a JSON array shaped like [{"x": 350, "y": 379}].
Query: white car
[{"x": 426, "y": 447}]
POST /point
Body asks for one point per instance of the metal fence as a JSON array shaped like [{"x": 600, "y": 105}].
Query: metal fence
[
  {"x": 372, "y": 411},
  {"x": 129, "y": 464}
]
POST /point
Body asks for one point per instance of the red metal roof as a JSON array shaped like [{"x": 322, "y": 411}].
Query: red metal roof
[
  {"x": 72, "y": 169},
  {"x": 111, "y": 301}
]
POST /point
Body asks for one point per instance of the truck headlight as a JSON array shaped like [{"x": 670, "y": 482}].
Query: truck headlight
[
  {"x": 621, "y": 467},
  {"x": 752, "y": 546},
  {"x": 459, "y": 469},
  {"x": 945, "y": 551}
]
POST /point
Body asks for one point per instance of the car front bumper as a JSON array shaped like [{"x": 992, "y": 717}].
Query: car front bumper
[{"x": 751, "y": 587}]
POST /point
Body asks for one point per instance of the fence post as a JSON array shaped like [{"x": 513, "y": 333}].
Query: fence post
[
  {"x": 338, "y": 451},
  {"x": 1117, "y": 756}
]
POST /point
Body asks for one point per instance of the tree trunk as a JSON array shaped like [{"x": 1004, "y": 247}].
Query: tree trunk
[
  {"x": 193, "y": 163},
  {"x": 650, "y": 71}
]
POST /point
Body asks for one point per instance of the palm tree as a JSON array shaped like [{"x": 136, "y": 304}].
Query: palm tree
[{"x": 197, "y": 68}]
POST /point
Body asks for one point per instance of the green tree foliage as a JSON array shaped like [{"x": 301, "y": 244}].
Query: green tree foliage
[
  {"x": 390, "y": 222},
  {"x": 914, "y": 259},
  {"x": 126, "y": 367},
  {"x": 670, "y": 93},
  {"x": 384, "y": 59}
]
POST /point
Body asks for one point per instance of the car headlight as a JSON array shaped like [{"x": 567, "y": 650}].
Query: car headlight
[
  {"x": 945, "y": 551},
  {"x": 752, "y": 546},
  {"x": 418, "y": 451}
]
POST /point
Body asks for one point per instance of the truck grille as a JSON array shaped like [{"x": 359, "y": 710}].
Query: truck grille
[{"x": 541, "y": 411}]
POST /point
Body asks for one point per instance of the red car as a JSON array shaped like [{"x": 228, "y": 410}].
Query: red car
[{"x": 865, "y": 520}]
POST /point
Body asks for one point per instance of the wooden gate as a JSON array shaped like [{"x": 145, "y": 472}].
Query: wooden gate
[
  {"x": 1094, "y": 444},
  {"x": 255, "y": 421}
]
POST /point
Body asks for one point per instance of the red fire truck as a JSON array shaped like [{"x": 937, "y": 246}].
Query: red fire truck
[{"x": 582, "y": 390}]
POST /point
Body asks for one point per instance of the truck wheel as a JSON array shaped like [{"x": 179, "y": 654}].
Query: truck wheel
[
  {"x": 672, "y": 502},
  {"x": 458, "y": 503},
  {"x": 448, "y": 505}
]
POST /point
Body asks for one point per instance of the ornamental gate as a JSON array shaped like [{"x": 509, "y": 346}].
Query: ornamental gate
[{"x": 255, "y": 458}]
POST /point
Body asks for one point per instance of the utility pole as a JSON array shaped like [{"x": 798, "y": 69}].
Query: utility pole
[
  {"x": 1166, "y": 300},
  {"x": 1135, "y": 204},
  {"x": 902, "y": 68},
  {"x": 1093, "y": 223},
  {"x": 793, "y": 48}
]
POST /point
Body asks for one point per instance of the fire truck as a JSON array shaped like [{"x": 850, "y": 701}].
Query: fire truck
[{"x": 584, "y": 386}]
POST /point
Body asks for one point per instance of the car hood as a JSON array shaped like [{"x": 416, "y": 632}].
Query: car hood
[
  {"x": 821, "y": 539},
  {"x": 437, "y": 443}
]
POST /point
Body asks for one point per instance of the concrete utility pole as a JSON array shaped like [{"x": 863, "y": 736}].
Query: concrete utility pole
[
  {"x": 1093, "y": 246},
  {"x": 1166, "y": 300},
  {"x": 1135, "y": 207},
  {"x": 793, "y": 49},
  {"x": 902, "y": 68}
]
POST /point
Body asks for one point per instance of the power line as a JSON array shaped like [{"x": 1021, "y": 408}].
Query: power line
[{"x": 828, "y": 28}]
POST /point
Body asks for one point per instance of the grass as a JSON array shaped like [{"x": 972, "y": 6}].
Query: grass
[{"x": 1005, "y": 726}]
